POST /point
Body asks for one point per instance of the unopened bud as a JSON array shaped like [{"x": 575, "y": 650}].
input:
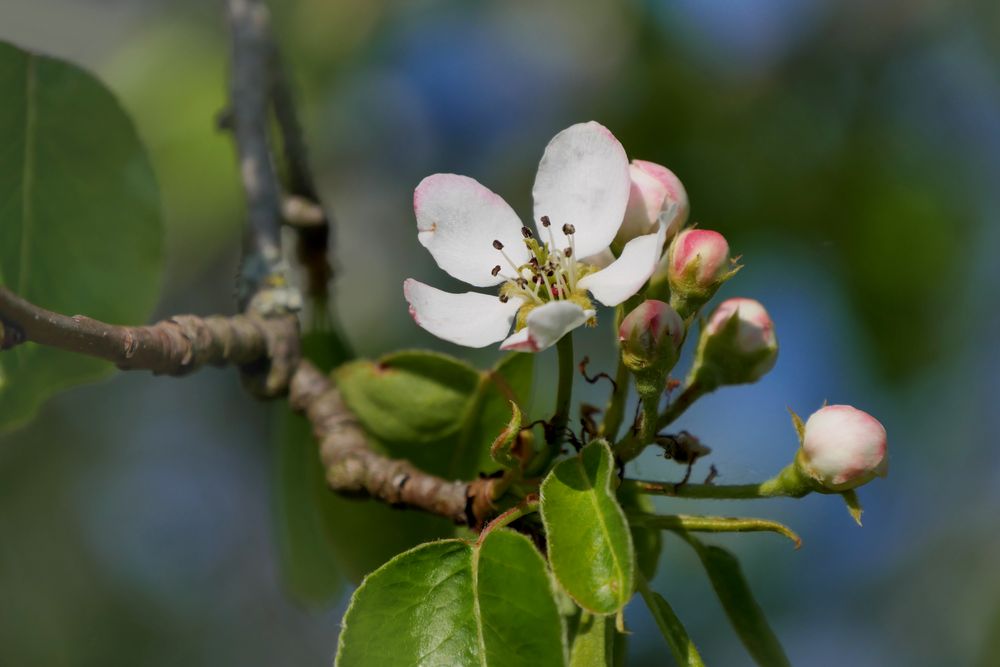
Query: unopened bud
[
  {"x": 650, "y": 338},
  {"x": 656, "y": 195},
  {"x": 843, "y": 448},
  {"x": 697, "y": 265},
  {"x": 737, "y": 345}
]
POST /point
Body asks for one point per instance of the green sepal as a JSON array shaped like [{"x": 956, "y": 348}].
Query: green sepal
[
  {"x": 502, "y": 449},
  {"x": 853, "y": 505},
  {"x": 800, "y": 427}
]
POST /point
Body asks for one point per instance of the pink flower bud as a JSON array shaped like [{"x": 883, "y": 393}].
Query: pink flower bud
[
  {"x": 699, "y": 256},
  {"x": 656, "y": 195},
  {"x": 651, "y": 335},
  {"x": 843, "y": 447},
  {"x": 737, "y": 345},
  {"x": 754, "y": 330}
]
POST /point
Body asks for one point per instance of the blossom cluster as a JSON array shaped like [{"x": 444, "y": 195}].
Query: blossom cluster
[{"x": 611, "y": 231}]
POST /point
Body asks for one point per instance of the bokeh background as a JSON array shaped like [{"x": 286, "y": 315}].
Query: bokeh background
[{"x": 849, "y": 150}]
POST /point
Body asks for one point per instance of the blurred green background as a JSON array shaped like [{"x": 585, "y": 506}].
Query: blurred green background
[{"x": 849, "y": 150}]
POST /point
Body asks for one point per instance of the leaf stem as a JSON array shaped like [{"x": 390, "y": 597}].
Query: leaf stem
[{"x": 526, "y": 507}]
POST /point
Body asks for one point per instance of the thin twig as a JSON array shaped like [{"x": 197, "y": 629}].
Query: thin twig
[
  {"x": 175, "y": 346},
  {"x": 303, "y": 207},
  {"x": 249, "y": 23},
  {"x": 352, "y": 468}
]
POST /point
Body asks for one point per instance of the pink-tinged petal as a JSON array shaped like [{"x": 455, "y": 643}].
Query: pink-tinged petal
[
  {"x": 756, "y": 329},
  {"x": 699, "y": 256},
  {"x": 458, "y": 219},
  {"x": 844, "y": 447},
  {"x": 583, "y": 180},
  {"x": 470, "y": 319},
  {"x": 656, "y": 195},
  {"x": 545, "y": 325},
  {"x": 627, "y": 274}
]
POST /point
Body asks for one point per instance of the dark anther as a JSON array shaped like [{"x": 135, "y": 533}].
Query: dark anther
[
  {"x": 496, "y": 270},
  {"x": 549, "y": 273},
  {"x": 497, "y": 245},
  {"x": 534, "y": 262},
  {"x": 504, "y": 298},
  {"x": 526, "y": 233},
  {"x": 569, "y": 229},
  {"x": 595, "y": 378},
  {"x": 568, "y": 252},
  {"x": 545, "y": 221}
]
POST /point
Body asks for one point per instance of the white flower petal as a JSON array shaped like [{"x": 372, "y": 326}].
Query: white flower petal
[
  {"x": 601, "y": 259},
  {"x": 627, "y": 274},
  {"x": 457, "y": 221},
  {"x": 545, "y": 325},
  {"x": 470, "y": 319},
  {"x": 583, "y": 180}
]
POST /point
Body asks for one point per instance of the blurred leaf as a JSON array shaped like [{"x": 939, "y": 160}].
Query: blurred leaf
[
  {"x": 302, "y": 498},
  {"x": 175, "y": 110},
  {"x": 684, "y": 651},
  {"x": 741, "y": 607},
  {"x": 80, "y": 228},
  {"x": 435, "y": 410},
  {"x": 593, "y": 644},
  {"x": 324, "y": 537},
  {"x": 590, "y": 547},
  {"x": 456, "y": 603}
]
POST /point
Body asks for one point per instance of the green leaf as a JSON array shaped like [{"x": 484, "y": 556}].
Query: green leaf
[
  {"x": 741, "y": 607},
  {"x": 593, "y": 645},
  {"x": 456, "y": 603},
  {"x": 683, "y": 649},
  {"x": 435, "y": 410},
  {"x": 590, "y": 546},
  {"x": 80, "y": 227},
  {"x": 323, "y": 537}
]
